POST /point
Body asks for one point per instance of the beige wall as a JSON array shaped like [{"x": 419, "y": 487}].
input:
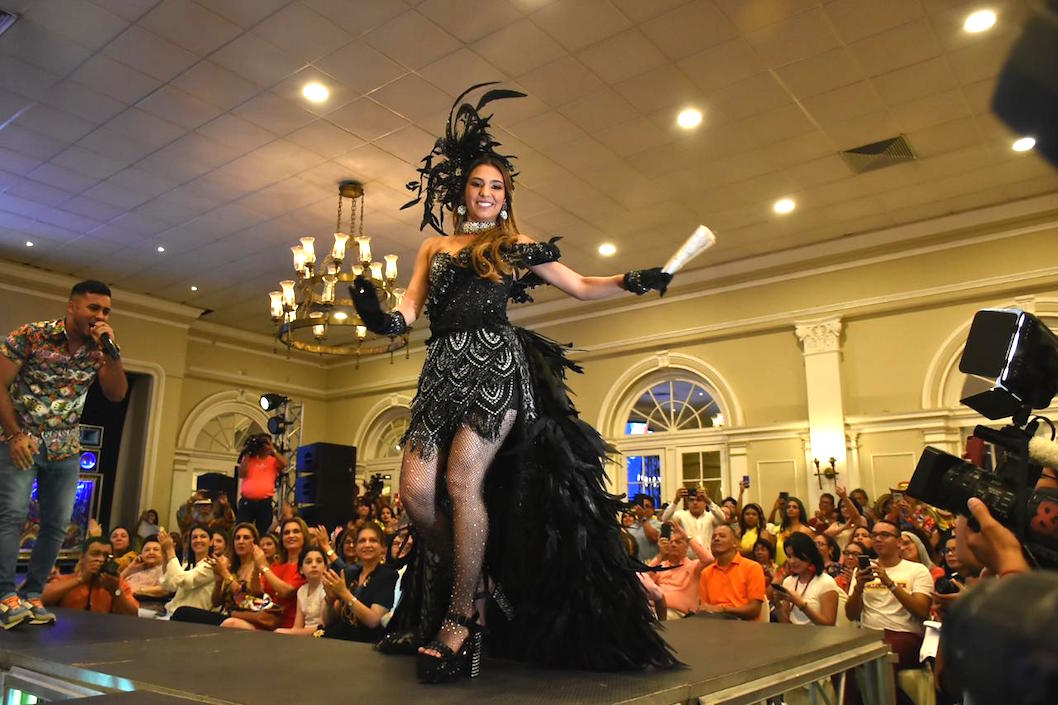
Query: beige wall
[{"x": 898, "y": 311}]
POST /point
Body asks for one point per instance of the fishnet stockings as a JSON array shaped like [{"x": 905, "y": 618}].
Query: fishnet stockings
[{"x": 468, "y": 460}]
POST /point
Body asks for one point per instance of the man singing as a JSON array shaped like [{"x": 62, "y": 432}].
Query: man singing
[{"x": 45, "y": 371}]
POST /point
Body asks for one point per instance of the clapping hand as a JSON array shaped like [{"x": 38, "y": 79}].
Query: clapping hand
[
  {"x": 334, "y": 584},
  {"x": 259, "y": 558}
]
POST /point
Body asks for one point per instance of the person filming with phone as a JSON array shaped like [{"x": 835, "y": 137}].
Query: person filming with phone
[
  {"x": 893, "y": 595},
  {"x": 699, "y": 518},
  {"x": 680, "y": 575}
]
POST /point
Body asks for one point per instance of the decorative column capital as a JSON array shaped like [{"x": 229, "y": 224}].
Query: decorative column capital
[{"x": 819, "y": 336}]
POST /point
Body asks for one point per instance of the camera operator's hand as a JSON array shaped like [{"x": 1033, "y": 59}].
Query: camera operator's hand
[
  {"x": 109, "y": 582},
  {"x": 995, "y": 546},
  {"x": 681, "y": 493}
]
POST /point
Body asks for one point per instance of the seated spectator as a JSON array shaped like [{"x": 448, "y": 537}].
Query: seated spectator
[
  {"x": 826, "y": 513},
  {"x": 311, "y": 601},
  {"x": 121, "y": 545},
  {"x": 280, "y": 580},
  {"x": 732, "y": 585},
  {"x": 358, "y": 598},
  {"x": 764, "y": 554},
  {"x": 144, "y": 573},
  {"x": 830, "y": 552},
  {"x": 191, "y": 582},
  {"x": 146, "y": 526},
  {"x": 850, "y": 561},
  {"x": 808, "y": 594},
  {"x": 269, "y": 543},
  {"x": 390, "y": 523},
  {"x": 794, "y": 519},
  {"x": 752, "y": 529},
  {"x": 89, "y": 587},
  {"x": 346, "y": 542},
  {"x": 850, "y": 517},
  {"x": 234, "y": 581},
  {"x": 916, "y": 516},
  {"x": 862, "y": 536},
  {"x": 680, "y": 576},
  {"x": 286, "y": 511},
  {"x": 864, "y": 502},
  {"x": 730, "y": 507},
  {"x": 893, "y": 595},
  {"x": 912, "y": 549},
  {"x": 645, "y": 529},
  {"x": 949, "y": 587}
]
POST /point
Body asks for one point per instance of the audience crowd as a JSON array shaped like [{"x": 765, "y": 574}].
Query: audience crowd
[{"x": 890, "y": 565}]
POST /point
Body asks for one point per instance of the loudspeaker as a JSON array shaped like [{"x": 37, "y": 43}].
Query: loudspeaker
[
  {"x": 214, "y": 483},
  {"x": 325, "y": 483}
]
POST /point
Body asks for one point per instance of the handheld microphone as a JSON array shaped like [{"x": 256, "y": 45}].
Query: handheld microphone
[{"x": 109, "y": 347}]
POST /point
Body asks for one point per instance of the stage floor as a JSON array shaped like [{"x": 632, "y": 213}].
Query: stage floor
[{"x": 168, "y": 662}]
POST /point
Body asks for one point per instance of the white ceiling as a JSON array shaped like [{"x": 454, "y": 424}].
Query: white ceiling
[{"x": 129, "y": 124}]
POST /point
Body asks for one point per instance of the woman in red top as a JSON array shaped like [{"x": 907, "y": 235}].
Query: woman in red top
[{"x": 280, "y": 580}]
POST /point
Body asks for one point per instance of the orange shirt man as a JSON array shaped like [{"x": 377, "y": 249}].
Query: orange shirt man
[{"x": 733, "y": 584}]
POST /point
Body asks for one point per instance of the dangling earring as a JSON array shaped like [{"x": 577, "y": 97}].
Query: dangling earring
[
  {"x": 503, "y": 214},
  {"x": 461, "y": 210}
]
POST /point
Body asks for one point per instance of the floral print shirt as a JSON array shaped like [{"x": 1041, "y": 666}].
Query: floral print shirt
[{"x": 50, "y": 388}]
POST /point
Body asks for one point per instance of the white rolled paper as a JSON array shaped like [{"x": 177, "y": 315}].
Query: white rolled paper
[{"x": 699, "y": 241}]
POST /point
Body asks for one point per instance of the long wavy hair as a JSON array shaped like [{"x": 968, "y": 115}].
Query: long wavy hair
[{"x": 487, "y": 248}]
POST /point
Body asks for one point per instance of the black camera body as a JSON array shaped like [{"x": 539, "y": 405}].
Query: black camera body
[
  {"x": 1021, "y": 354},
  {"x": 110, "y": 566},
  {"x": 255, "y": 445}
]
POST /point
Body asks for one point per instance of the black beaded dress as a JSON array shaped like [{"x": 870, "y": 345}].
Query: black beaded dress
[{"x": 572, "y": 596}]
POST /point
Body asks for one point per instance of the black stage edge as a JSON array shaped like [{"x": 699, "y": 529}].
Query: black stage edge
[{"x": 169, "y": 662}]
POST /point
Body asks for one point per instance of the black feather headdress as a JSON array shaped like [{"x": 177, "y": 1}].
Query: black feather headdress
[{"x": 444, "y": 169}]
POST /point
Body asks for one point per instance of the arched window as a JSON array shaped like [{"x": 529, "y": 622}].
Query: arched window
[
  {"x": 387, "y": 443},
  {"x": 674, "y": 404},
  {"x": 226, "y": 433},
  {"x": 672, "y": 435}
]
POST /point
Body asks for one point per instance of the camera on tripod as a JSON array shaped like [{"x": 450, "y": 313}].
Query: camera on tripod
[{"x": 1021, "y": 354}]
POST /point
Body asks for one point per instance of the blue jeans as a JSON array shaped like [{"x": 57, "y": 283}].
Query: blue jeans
[{"x": 56, "y": 491}]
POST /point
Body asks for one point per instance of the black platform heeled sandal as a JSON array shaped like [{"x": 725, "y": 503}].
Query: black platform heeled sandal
[{"x": 453, "y": 665}]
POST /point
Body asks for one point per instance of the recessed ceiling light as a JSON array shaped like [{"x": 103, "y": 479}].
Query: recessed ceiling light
[
  {"x": 979, "y": 21},
  {"x": 784, "y": 205},
  {"x": 29, "y": 243},
  {"x": 161, "y": 249},
  {"x": 607, "y": 249},
  {"x": 689, "y": 118},
  {"x": 194, "y": 288},
  {"x": 315, "y": 92},
  {"x": 1023, "y": 145},
  {"x": 340, "y": 315}
]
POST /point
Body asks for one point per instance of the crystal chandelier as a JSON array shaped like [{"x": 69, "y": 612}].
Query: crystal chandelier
[{"x": 308, "y": 312}]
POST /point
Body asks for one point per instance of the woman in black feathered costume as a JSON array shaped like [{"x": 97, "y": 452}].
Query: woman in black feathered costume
[{"x": 503, "y": 481}]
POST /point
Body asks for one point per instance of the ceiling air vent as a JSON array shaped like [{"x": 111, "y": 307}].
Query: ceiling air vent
[
  {"x": 879, "y": 155},
  {"x": 6, "y": 20}
]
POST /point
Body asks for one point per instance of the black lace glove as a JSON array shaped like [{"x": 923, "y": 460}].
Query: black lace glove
[
  {"x": 365, "y": 300},
  {"x": 640, "y": 281}
]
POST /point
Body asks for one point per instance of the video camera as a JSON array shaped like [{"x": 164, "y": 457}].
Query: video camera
[
  {"x": 255, "y": 444},
  {"x": 375, "y": 485},
  {"x": 1021, "y": 354}
]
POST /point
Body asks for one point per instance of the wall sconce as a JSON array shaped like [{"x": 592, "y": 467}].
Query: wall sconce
[{"x": 830, "y": 473}]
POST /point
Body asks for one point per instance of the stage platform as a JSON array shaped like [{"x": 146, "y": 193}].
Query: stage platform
[{"x": 130, "y": 661}]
